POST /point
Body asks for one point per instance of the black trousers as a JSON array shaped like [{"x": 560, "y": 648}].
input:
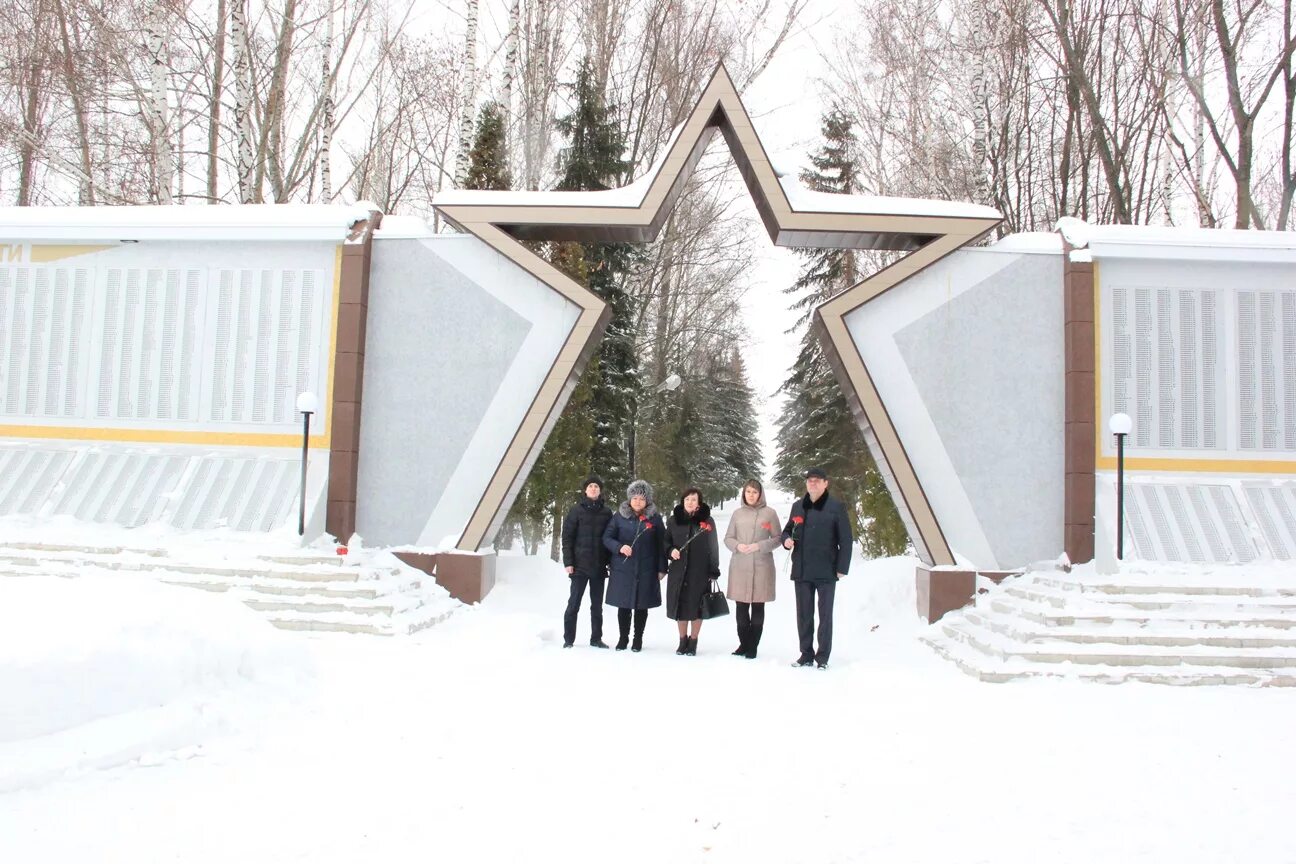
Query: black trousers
[
  {"x": 578, "y": 583},
  {"x": 805, "y": 603},
  {"x": 751, "y": 623}
]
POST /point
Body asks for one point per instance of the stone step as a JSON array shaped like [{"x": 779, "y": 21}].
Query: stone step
[
  {"x": 1050, "y": 616},
  {"x": 1169, "y": 636},
  {"x": 402, "y": 623},
  {"x": 973, "y": 663},
  {"x": 85, "y": 550},
  {"x": 307, "y": 570},
  {"x": 1108, "y": 654},
  {"x": 314, "y": 606},
  {"x": 299, "y": 592},
  {"x": 1161, "y": 587},
  {"x": 1088, "y": 603}
]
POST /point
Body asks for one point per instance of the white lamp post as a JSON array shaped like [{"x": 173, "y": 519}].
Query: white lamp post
[
  {"x": 1120, "y": 426},
  {"x": 307, "y": 404}
]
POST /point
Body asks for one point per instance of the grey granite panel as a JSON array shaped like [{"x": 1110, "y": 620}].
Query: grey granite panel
[
  {"x": 438, "y": 349},
  {"x": 988, "y": 365}
]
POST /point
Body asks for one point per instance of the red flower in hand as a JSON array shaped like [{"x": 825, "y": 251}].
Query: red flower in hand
[
  {"x": 706, "y": 526},
  {"x": 768, "y": 527},
  {"x": 643, "y": 518},
  {"x": 797, "y": 520}
]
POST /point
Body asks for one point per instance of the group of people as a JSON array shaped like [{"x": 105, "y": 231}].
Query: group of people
[{"x": 631, "y": 550}]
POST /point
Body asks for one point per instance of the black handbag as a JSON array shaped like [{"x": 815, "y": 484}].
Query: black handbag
[{"x": 714, "y": 604}]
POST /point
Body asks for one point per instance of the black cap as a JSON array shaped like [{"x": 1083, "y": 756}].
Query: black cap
[
  {"x": 814, "y": 472},
  {"x": 593, "y": 478}
]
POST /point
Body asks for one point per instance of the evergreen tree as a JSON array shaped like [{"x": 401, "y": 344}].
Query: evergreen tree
[
  {"x": 705, "y": 435},
  {"x": 551, "y": 486},
  {"x": 816, "y": 426},
  {"x": 592, "y": 433},
  {"x": 593, "y": 161},
  {"x": 488, "y": 159}
]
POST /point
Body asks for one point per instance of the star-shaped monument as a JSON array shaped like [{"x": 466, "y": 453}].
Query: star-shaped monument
[{"x": 793, "y": 216}]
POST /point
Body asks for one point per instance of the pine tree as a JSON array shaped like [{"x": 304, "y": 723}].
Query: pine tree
[
  {"x": 816, "y": 426},
  {"x": 593, "y": 161},
  {"x": 592, "y": 432},
  {"x": 488, "y": 159}
]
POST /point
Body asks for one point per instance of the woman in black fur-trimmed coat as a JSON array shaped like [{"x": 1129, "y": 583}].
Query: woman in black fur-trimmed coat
[{"x": 694, "y": 552}]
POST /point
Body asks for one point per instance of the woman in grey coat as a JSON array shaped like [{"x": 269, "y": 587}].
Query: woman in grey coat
[{"x": 754, "y": 533}]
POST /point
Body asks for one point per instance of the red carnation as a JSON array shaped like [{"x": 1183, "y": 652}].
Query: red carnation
[
  {"x": 706, "y": 526},
  {"x": 768, "y": 527},
  {"x": 797, "y": 520}
]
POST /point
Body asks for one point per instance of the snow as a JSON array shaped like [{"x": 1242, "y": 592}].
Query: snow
[
  {"x": 482, "y": 739},
  {"x": 103, "y": 672},
  {"x": 1029, "y": 241},
  {"x": 808, "y": 201},
  {"x": 157, "y": 222},
  {"x": 801, "y": 199},
  {"x": 1179, "y": 242},
  {"x": 630, "y": 195}
]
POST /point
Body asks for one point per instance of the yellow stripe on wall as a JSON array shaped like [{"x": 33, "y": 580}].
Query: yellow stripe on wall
[
  {"x": 1217, "y": 466},
  {"x": 161, "y": 436}
]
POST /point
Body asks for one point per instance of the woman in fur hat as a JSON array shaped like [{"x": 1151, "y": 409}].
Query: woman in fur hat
[
  {"x": 754, "y": 533},
  {"x": 695, "y": 561},
  {"x": 636, "y": 538}
]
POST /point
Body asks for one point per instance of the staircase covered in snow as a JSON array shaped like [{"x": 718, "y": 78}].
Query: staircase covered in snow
[
  {"x": 1162, "y": 624},
  {"x": 294, "y": 590}
]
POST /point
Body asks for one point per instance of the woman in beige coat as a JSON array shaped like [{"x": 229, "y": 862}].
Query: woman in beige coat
[{"x": 754, "y": 533}]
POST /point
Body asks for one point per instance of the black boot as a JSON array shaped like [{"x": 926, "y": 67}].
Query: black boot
[
  {"x": 640, "y": 619},
  {"x": 691, "y": 648},
  {"x": 744, "y": 635},
  {"x": 753, "y": 640},
  {"x": 683, "y": 646},
  {"x": 623, "y": 624}
]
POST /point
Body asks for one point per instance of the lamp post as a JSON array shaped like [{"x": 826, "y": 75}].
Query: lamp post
[
  {"x": 1120, "y": 426},
  {"x": 672, "y": 382},
  {"x": 307, "y": 404}
]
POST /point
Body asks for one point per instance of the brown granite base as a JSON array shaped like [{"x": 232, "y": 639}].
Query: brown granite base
[
  {"x": 941, "y": 591},
  {"x": 468, "y": 578}
]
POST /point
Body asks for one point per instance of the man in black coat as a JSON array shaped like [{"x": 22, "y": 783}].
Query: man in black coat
[
  {"x": 819, "y": 536},
  {"x": 586, "y": 560}
]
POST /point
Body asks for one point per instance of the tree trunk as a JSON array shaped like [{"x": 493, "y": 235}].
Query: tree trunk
[
  {"x": 85, "y": 189},
  {"x": 510, "y": 76},
  {"x": 270, "y": 148},
  {"x": 326, "y": 123},
  {"x": 981, "y": 103},
  {"x": 1289, "y": 90},
  {"x": 159, "y": 25},
  {"x": 31, "y": 96},
  {"x": 243, "y": 102},
  {"x": 218, "y": 79},
  {"x": 467, "y": 109}
]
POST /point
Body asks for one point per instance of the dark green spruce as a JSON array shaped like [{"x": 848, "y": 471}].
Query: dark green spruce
[{"x": 816, "y": 426}]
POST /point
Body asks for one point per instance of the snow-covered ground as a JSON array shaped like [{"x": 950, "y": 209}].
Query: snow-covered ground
[{"x": 145, "y": 723}]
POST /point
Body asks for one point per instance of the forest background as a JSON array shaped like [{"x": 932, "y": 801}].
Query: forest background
[{"x": 1167, "y": 112}]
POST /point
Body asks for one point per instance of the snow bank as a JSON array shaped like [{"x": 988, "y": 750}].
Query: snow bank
[{"x": 101, "y": 671}]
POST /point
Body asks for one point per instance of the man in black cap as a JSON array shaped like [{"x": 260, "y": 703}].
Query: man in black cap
[
  {"x": 586, "y": 560},
  {"x": 819, "y": 537}
]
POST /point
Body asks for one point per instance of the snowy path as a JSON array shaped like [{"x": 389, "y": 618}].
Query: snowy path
[{"x": 483, "y": 740}]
